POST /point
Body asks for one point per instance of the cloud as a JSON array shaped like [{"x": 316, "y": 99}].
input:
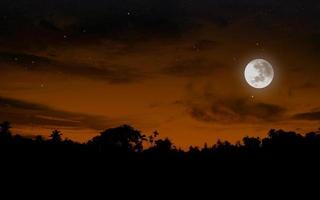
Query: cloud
[
  {"x": 101, "y": 19},
  {"x": 26, "y": 113},
  {"x": 309, "y": 116},
  {"x": 235, "y": 110},
  {"x": 112, "y": 74},
  {"x": 192, "y": 68},
  {"x": 41, "y": 24},
  {"x": 118, "y": 20}
]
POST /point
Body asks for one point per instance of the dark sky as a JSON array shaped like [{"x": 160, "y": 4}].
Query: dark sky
[{"x": 175, "y": 66}]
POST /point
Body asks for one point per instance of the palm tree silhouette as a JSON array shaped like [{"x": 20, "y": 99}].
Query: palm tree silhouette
[{"x": 56, "y": 136}]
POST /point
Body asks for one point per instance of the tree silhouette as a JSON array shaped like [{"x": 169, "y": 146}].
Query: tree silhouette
[
  {"x": 56, "y": 136},
  {"x": 251, "y": 143},
  {"x": 5, "y": 129},
  {"x": 5, "y": 133},
  {"x": 152, "y": 137},
  {"x": 127, "y": 143},
  {"x": 121, "y": 139},
  {"x": 39, "y": 139},
  {"x": 164, "y": 145}
]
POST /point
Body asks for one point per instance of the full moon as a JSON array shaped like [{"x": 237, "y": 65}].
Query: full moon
[{"x": 259, "y": 73}]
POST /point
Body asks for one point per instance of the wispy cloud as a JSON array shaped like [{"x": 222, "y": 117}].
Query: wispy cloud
[
  {"x": 236, "y": 110},
  {"x": 309, "y": 116},
  {"x": 26, "y": 113},
  {"x": 112, "y": 74}
]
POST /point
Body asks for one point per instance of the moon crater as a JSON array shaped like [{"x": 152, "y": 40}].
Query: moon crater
[{"x": 259, "y": 73}]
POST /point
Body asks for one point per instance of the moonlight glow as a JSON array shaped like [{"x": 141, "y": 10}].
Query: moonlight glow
[{"x": 259, "y": 73}]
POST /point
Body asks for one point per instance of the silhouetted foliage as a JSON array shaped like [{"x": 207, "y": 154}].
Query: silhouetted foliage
[
  {"x": 125, "y": 142},
  {"x": 56, "y": 136},
  {"x": 5, "y": 133},
  {"x": 123, "y": 139}
]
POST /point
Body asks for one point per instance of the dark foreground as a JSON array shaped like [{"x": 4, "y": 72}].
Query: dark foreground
[{"x": 117, "y": 158}]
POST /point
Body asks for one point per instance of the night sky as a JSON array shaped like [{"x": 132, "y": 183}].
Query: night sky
[{"x": 175, "y": 66}]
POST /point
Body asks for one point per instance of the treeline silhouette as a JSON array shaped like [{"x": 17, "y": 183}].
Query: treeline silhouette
[
  {"x": 127, "y": 143},
  {"x": 123, "y": 158}
]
